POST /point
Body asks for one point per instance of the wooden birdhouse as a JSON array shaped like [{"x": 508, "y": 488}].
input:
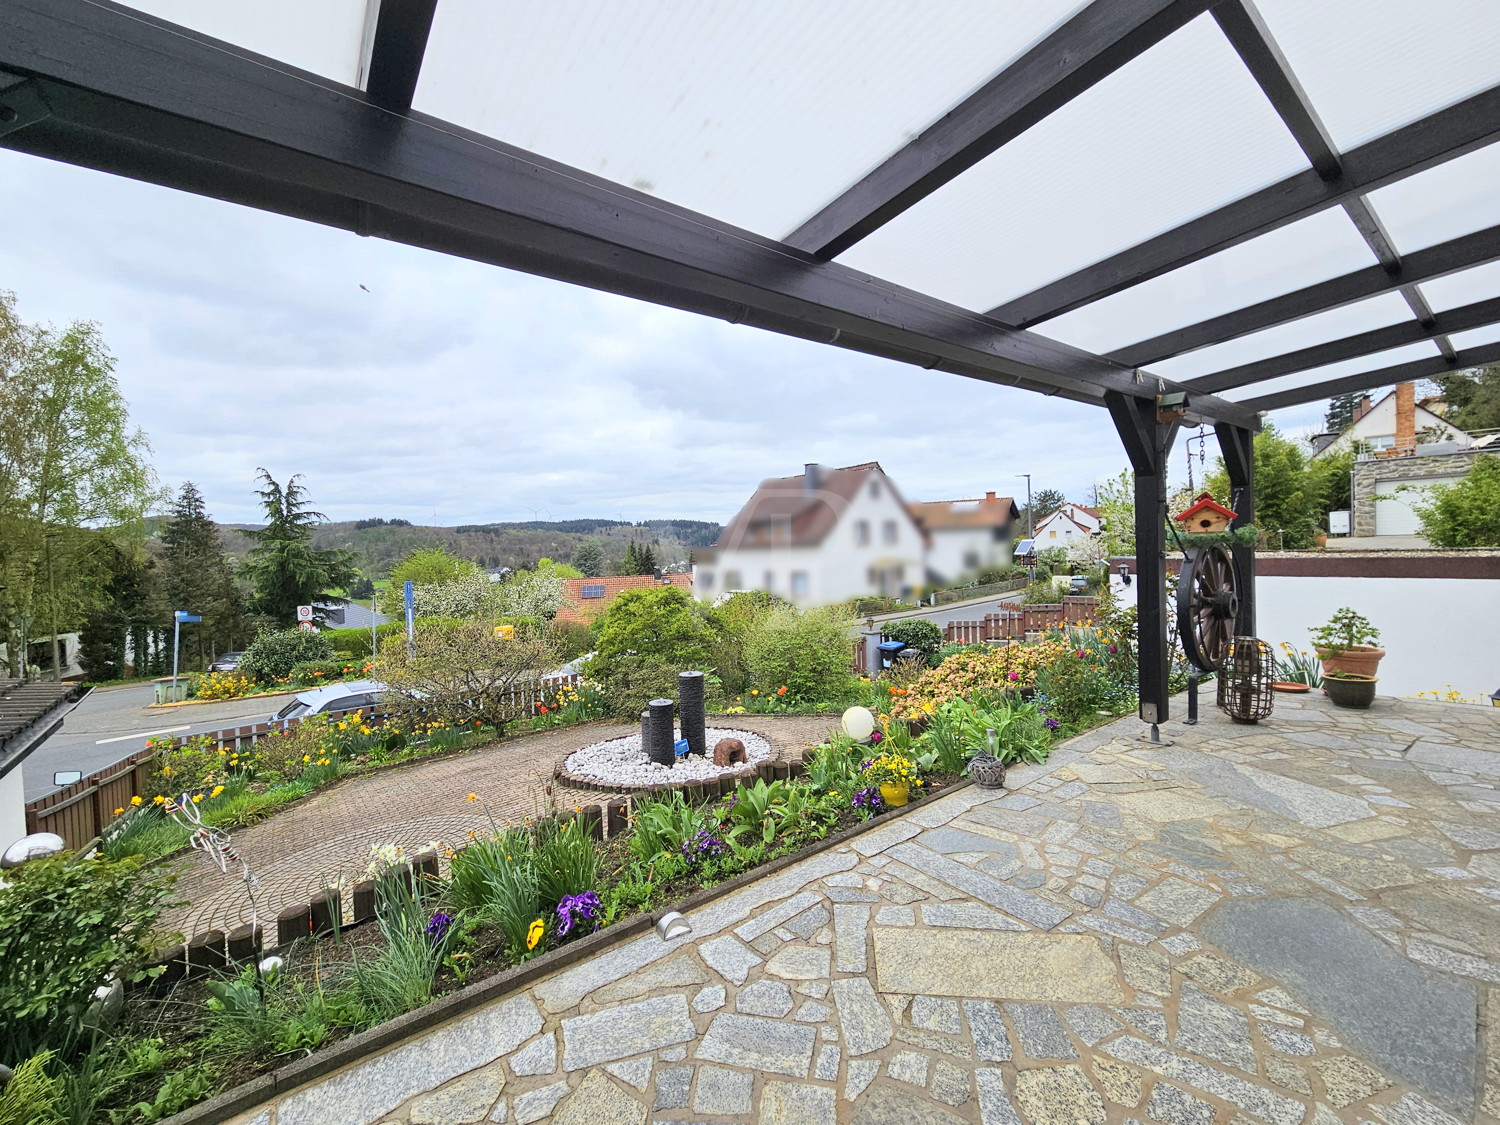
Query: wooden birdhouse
[{"x": 1205, "y": 516}]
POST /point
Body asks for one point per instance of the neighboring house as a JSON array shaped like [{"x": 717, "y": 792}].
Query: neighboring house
[
  {"x": 818, "y": 538},
  {"x": 1394, "y": 427},
  {"x": 586, "y": 598},
  {"x": 29, "y": 713},
  {"x": 1382, "y": 506},
  {"x": 966, "y": 535},
  {"x": 340, "y": 613},
  {"x": 1069, "y": 524}
]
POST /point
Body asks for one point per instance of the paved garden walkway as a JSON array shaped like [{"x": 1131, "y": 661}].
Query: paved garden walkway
[
  {"x": 299, "y": 852},
  {"x": 1290, "y": 923}
]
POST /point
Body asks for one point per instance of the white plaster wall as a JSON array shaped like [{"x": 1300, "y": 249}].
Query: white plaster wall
[
  {"x": 950, "y": 545},
  {"x": 12, "y": 808},
  {"x": 838, "y": 568},
  {"x": 1436, "y": 631}
]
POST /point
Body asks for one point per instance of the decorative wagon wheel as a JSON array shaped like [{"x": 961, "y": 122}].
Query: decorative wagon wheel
[{"x": 1208, "y": 601}]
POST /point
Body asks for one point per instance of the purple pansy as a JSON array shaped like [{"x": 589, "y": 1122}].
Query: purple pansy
[{"x": 574, "y": 909}]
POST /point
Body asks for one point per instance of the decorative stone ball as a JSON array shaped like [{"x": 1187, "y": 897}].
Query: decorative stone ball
[{"x": 729, "y": 751}]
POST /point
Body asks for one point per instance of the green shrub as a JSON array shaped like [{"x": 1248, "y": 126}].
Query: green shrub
[
  {"x": 645, "y": 638},
  {"x": 32, "y": 1096},
  {"x": 1465, "y": 513},
  {"x": 273, "y": 655},
  {"x": 65, "y": 924},
  {"x": 808, "y": 653},
  {"x": 357, "y": 641},
  {"x": 917, "y": 634},
  {"x": 316, "y": 672},
  {"x": 734, "y": 620},
  {"x": 572, "y": 638}
]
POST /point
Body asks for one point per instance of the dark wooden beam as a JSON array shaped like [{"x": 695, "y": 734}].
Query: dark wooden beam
[
  {"x": 1439, "y": 137},
  {"x": 1086, "y": 49},
  {"x": 1477, "y": 315},
  {"x": 141, "y": 97},
  {"x": 1258, "y": 50},
  {"x": 394, "y": 59},
  {"x": 1382, "y": 377},
  {"x": 1423, "y": 265},
  {"x": 1148, "y": 443}
]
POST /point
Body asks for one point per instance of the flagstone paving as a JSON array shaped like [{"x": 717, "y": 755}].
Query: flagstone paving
[{"x": 1288, "y": 923}]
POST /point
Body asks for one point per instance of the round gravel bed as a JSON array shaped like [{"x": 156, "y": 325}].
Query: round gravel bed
[{"x": 620, "y": 763}]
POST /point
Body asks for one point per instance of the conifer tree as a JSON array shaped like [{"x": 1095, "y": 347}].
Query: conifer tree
[{"x": 198, "y": 577}]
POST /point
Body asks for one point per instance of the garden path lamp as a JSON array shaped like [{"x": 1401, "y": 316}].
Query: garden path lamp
[
  {"x": 1495, "y": 698},
  {"x": 672, "y": 925},
  {"x": 858, "y": 723}
]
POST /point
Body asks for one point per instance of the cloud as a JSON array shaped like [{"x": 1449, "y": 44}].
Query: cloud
[{"x": 245, "y": 339}]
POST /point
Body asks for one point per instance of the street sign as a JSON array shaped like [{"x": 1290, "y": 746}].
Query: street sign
[
  {"x": 183, "y": 617},
  {"x": 180, "y": 617},
  {"x": 304, "y": 613}
]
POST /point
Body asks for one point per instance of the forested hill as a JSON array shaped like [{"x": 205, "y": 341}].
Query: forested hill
[{"x": 378, "y": 543}]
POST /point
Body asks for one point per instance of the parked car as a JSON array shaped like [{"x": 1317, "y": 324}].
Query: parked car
[
  {"x": 349, "y": 696},
  {"x": 226, "y": 662},
  {"x": 1078, "y": 583}
]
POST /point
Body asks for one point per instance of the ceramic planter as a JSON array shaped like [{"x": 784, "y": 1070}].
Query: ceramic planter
[
  {"x": 1362, "y": 660},
  {"x": 1356, "y": 691},
  {"x": 895, "y": 795}
]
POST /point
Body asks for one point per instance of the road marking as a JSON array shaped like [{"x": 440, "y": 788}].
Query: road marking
[{"x": 142, "y": 734}]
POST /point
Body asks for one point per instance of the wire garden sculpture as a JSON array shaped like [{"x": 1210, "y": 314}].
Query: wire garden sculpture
[{"x": 216, "y": 845}]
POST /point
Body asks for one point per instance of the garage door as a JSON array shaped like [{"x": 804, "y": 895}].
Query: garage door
[{"x": 1393, "y": 510}]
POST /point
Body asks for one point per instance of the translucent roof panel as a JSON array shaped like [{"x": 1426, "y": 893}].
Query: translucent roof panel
[
  {"x": 1453, "y": 199},
  {"x": 1177, "y": 131},
  {"x": 1335, "y": 324},
  {"x": 1370, "y": 66},
  {"x": 325, "y": 36},
  {"x": 1424, "y": 350},
  {"x": 756, "y": 112},
  {"x": 1319, "y": 247},
  {"x": 1474, "y": 337},
  {"x": 1463, "y": 288}
]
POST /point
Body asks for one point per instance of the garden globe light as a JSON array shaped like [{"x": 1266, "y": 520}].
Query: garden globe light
[
  {"x": 39, "y": 845},
  {"x": 858, "y": 723}
]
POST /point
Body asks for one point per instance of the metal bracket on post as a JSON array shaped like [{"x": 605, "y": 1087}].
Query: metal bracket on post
[{"x": 21, "y": 103}]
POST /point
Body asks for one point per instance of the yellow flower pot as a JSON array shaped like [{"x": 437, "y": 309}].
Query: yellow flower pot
[{"x": 895, "y": 795}]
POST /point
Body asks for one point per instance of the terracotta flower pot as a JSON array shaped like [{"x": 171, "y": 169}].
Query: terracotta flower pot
[
  {"x": 1362, "y": 660},
  {"x": 1353, "y": 691},
  {"x": 895, "y": 795}
]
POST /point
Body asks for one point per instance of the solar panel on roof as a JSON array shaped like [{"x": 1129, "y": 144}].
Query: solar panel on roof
[{"x": 593, "y": 590}]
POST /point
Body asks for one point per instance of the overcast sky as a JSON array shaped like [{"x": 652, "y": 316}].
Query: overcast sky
[{"x": 465, "y": 393}]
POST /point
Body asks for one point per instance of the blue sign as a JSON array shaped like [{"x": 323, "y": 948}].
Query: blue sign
[{"x": 186, "y": 618}]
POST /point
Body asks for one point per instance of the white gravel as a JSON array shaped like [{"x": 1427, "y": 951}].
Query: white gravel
[{"x": 621, "y": 761}]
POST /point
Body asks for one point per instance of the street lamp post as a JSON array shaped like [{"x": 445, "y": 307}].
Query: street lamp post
[{"x": 1030, "y": 515}]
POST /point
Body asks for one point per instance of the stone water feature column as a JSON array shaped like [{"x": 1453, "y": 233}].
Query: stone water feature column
[
  {"x": 658, "y": 740},
  {"x": 690, "y": 711}
]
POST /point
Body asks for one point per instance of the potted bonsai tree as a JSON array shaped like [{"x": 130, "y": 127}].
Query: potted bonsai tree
[
  {"x": 1350, "y": 689},
  {"x": 1346, "y": 643}
]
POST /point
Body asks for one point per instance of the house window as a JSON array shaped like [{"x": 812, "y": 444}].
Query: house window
[
  {"x": 770, "y": 583},
  {"x": 874, "y": 490},
  {"x": 592, "y": 590},
  {"x": 706, "y": 579},
  {"x": 1382, "y": 441},
  {"x": 862, "y": 533},
  {"x": 971, "y": 559},
  {"x": 799, "y": 583},
  {"x": 888, "y": 532},
  {"x": 1051, "y": 535},
  {"x": 732, "y": 580}
]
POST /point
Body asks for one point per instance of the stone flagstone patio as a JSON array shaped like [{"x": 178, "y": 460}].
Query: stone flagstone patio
[{"x": 1292, "y": 922}]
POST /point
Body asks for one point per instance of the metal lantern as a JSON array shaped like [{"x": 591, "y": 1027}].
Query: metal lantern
[{"x": 1244, "y": 681}]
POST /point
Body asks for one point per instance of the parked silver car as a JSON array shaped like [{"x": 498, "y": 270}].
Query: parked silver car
[{"x": 351, "y": 696}]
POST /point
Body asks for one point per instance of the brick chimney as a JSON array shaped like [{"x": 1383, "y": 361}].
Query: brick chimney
[
  {"x": 812, "y": 476},
  {"x": 1361, "y": 408},
  {"x": 989, "y": 495},
  {"x": 1406, "y": 415}
]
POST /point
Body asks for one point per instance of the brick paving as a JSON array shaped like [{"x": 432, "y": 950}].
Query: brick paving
[
  {"x": 328, "y": 836},
  {"x": 1293, "y": 924}
]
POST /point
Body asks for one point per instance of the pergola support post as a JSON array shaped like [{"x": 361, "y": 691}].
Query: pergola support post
[
  {"x": 1238, "y": 447},
  {"x": 1148, "y": 442}
]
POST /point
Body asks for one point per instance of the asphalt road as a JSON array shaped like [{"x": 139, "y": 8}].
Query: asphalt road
[{"x": 114, "y": 723}]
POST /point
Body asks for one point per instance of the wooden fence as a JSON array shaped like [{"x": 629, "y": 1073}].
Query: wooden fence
[
  {"x": 1015, "y": 624},
  {"x": 79, "y": 812}
]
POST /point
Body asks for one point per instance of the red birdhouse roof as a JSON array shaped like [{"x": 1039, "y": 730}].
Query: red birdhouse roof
[{"x": 1205, "y": 502}]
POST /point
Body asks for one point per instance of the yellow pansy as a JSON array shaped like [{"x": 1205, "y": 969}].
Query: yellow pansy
[{"x": 534, "y": 933}]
